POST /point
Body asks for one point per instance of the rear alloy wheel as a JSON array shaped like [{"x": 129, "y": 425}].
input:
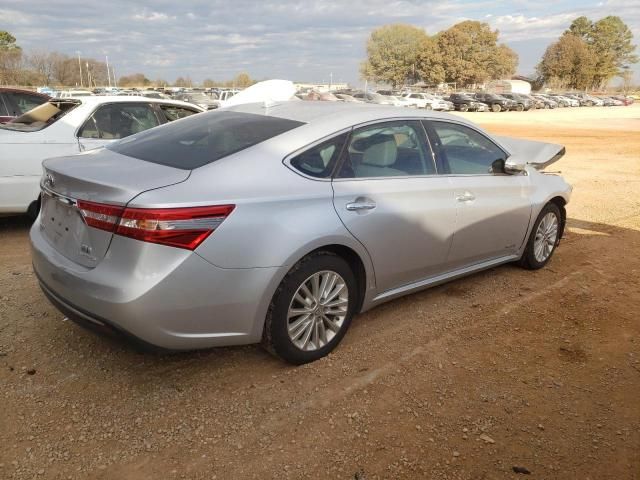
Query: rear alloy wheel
[
  {"x": 464, "y": 107},
  {"x": 496, "y": 107},
  {"x": 519, "y": 107},
  {"x": 312, "y": 309},
  {"x": 428, "y": 106},
  {"x": 544, "y": 238}
]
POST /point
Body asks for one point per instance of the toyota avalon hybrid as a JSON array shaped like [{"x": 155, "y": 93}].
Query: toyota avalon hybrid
[{"x": 277, "y": 223}]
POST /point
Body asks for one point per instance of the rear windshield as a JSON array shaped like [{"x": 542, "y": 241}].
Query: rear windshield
[
  {"x": 42, "y": 116},
  {"x": 202, "y": 139}
]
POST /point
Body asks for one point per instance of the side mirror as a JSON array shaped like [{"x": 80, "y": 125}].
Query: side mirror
[{"x": 513, "y": 166}]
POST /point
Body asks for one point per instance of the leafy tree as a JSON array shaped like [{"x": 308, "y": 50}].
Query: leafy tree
[
  {"x": 183, "y": 82},
  {"x": 10, "y": 59},
  {"x": 134, "y": 80},
  {"x": 430, "y": 64},
  {"x": 568, "y": 63},
  {"x": 609, "y": 40},
  {"x": 581, "y": 26},
  {"x": 208, "y": 83},
  {"x": 392, "y": 54},
  {"x": 243, "y": 80},
  {"x": 7, "y": 42},
  {"x": 504, "y": 64},
  {"x": 470, "y": 54}
]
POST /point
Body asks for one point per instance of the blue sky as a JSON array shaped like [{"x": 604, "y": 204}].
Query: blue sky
[{"x": 297, "y": 40}]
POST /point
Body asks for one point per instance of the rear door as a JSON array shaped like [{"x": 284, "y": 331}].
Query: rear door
[
  {"x": 389, "y": 197},
  {"x": 114, "y": 121},
  {"x": 493, "y": 208}
]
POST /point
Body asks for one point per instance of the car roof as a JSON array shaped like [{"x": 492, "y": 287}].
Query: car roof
[
  {"x": 94, "y": 100},
  {"x": 338, "y": 114},
  {"x": 22, "y": 90}
]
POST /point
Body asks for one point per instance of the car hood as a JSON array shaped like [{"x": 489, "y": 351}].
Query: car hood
[{"x": 537, "y": 154}]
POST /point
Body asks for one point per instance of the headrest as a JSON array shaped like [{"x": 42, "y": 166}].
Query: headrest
[{"x": 382, "y": 152}]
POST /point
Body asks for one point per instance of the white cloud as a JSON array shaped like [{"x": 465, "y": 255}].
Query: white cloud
[{"x": 153, "y": 17}]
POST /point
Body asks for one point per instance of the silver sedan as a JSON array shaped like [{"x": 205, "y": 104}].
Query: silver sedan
[{"x": 278, "y": 223}]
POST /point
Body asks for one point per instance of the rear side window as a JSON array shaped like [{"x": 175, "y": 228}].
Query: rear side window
[
  {"x": 119, "y": 120},
  {"x": 202, "y": 139},
  {"x": 23, "y": 102},
  {"x": 175, "y": 112},
  {"x": 320, "y": 160}
]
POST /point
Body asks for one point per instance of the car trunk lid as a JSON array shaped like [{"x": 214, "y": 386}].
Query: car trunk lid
[{"x": 99, "y": 176}]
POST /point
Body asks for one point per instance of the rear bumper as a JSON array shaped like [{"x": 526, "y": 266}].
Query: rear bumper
[{"x": 160, "y": 296}]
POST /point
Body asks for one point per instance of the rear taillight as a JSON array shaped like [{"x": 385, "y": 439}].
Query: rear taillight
[{"x": 177, "y": 227}]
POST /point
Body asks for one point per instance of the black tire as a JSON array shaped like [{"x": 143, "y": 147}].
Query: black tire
[
  {"x": 547, "y": 106},
  {"x": 519, "y": 108},
  {"x": 464, "y": 107},
  {"x": 34, "y": 209},
  {"x": 496, "y": 107},
  {"x": 528, "y": 259},
  {"x": 428, "y": 107},
  {"x": 275, "y": 337}
]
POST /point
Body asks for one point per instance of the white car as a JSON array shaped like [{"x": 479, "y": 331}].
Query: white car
[
  {"x": 401, "y": 101},
  {"x": 73, "y": 93},
  {"x": 424, "y": 100},
  {"x": 65, "y": 126}
]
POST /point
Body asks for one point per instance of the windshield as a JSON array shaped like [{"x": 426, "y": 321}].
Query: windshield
[{"x": 42, "y": 116}]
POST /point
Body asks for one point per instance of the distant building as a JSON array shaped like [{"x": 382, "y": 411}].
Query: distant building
[
  {"x": 508, "y": 86},
  {"x": 321, "y": 87}
]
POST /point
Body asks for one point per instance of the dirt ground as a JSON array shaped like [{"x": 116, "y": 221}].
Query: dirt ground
[{"x": 506, "y": 368}]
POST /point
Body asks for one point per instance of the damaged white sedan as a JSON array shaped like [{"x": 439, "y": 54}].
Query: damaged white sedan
[{"x": 66, "y": 126}]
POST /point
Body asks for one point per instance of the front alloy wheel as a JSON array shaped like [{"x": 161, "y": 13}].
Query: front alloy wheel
[{"x": 544, "y": 238}]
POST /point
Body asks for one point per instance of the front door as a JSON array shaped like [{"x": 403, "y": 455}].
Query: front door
[
  {"x": 493, "y": 208},
  {"x": 389, "y": 197}
]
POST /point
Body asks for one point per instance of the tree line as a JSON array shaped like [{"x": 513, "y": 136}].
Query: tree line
[
  {"x": 467, "y": 53},
  {"x": 587, "y": 56},
  {"x": 43, "y": 68}
]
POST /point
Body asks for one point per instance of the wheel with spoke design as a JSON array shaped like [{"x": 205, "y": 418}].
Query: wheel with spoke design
[
  {"x": 543, "y": 239},
  {"x": 312, "y": 309}
]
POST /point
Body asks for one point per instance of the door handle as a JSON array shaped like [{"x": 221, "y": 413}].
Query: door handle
[
  {"x": 465, "y": 197},
  {"x": 356, "y": 206}
]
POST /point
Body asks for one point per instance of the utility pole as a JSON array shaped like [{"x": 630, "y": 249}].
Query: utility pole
[
  {"x": 330, "y": 81},
  {"x": 108, "y": 77},
  {"x": 80, "y": 67}
]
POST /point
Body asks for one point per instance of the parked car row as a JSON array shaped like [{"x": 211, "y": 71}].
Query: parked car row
[{"x": 470, "y": 101}]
